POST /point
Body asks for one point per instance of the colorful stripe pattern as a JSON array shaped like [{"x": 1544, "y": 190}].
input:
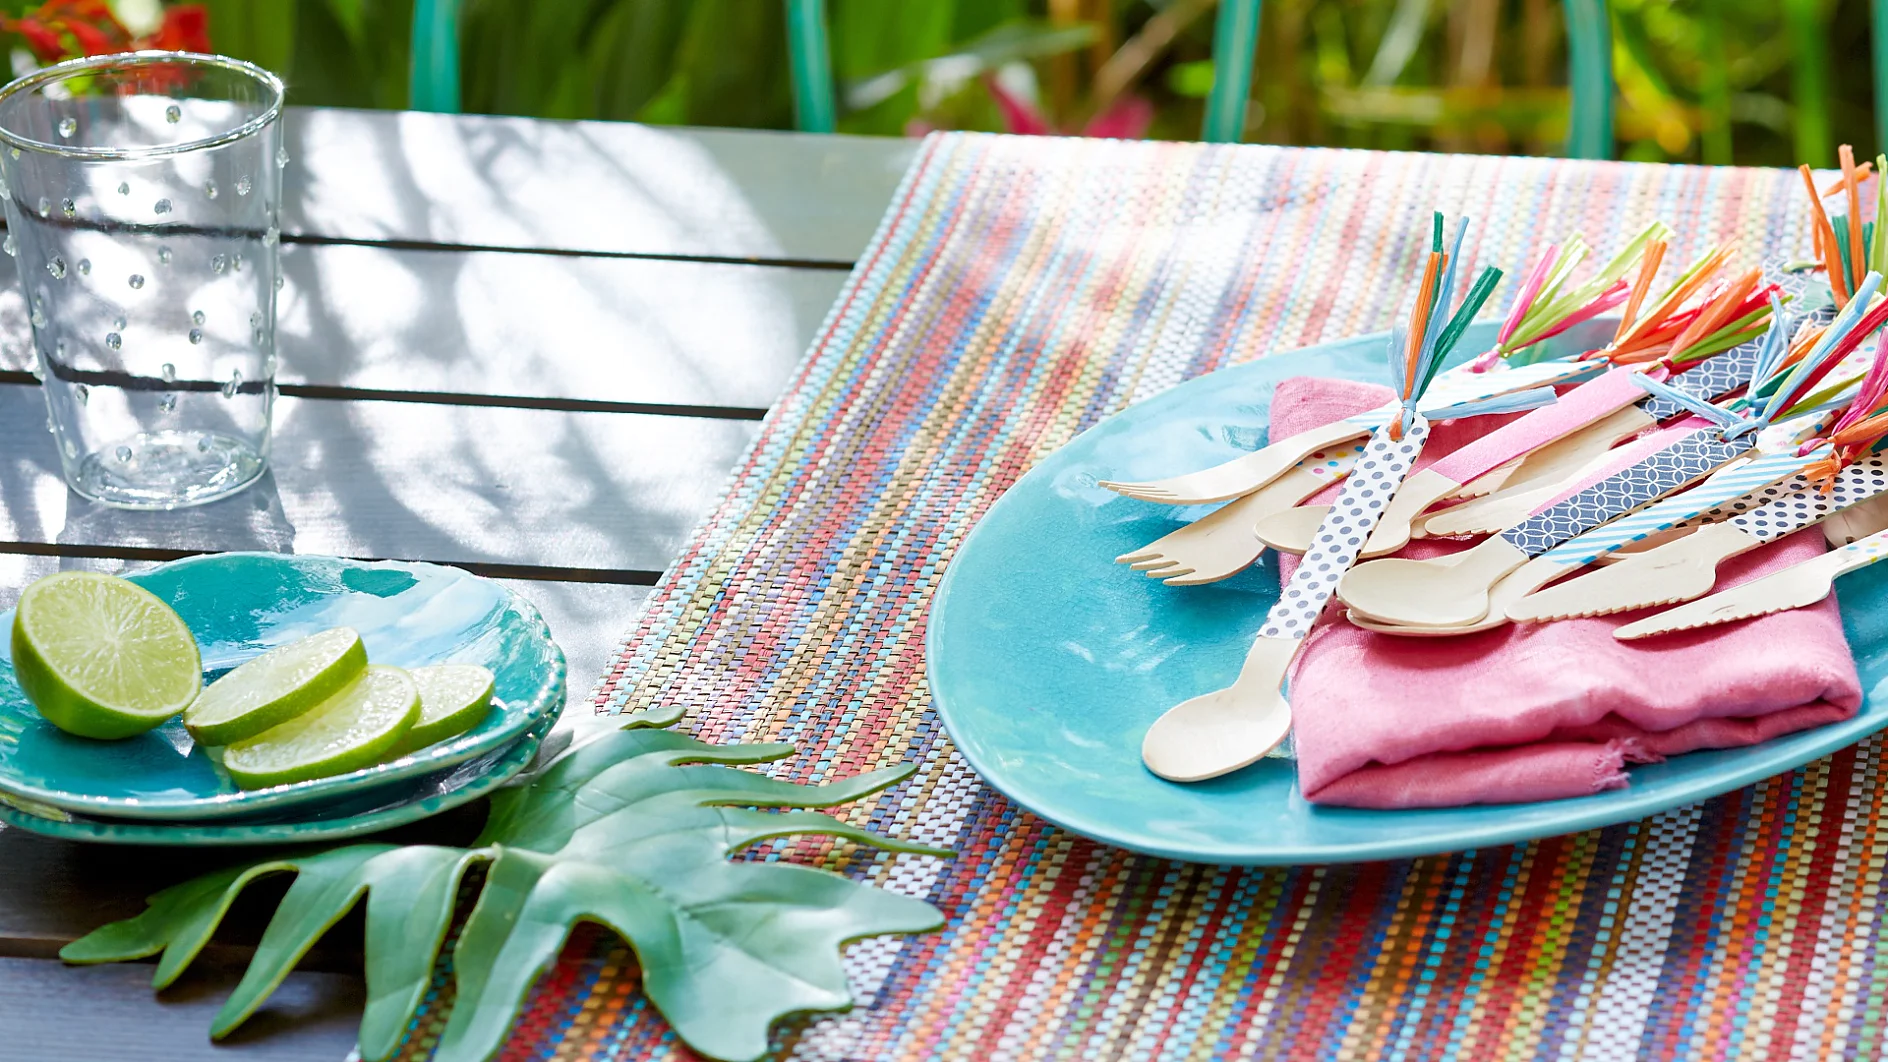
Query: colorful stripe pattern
[{"x": 1019, "y": 290}]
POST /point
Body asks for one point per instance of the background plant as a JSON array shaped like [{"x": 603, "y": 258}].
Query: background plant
[{"x": 1747, "y": 81}]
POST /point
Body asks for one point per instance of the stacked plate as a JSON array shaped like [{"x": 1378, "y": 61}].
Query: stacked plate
[{"x": 159, "y": 788}]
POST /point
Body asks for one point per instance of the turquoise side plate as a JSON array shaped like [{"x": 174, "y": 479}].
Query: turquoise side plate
[
  {"x": 387, "y": 807},
  {"x": 1048, "y": 660},
  {"x": 241, "y": 604}
]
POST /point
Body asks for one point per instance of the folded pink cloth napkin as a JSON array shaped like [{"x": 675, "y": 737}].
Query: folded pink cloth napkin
[{"x": 1543, "y": 711}]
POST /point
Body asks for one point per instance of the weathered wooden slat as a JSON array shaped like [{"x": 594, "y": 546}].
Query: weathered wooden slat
[
  {"x": 52, "y": 1013},
  {"x": 597, "y": 187},
  {"x": 686, "y": 334},
  {"x": 609, "y": 492}
]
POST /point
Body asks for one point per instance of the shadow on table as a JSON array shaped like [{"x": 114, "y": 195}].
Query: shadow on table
[{"x": 251, "y": 520}]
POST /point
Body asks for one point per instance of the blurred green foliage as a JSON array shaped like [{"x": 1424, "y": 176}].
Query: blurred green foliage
[{"x": 1750, "y": 81}]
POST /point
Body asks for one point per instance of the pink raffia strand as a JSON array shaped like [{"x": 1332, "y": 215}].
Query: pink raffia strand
[
  {"x": 1529, "y": 289},
  {"x": 1867, "y": 394}
]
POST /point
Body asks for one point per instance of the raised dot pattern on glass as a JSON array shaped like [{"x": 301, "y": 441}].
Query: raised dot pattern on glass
[{"x": 1340, "y": 538}]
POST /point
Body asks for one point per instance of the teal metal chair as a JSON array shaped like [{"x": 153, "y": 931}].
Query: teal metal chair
[
  {"x": 433, "y": 78},
  {"x": 1235, "y": 40},
  {"x": 434, "y": 84}
]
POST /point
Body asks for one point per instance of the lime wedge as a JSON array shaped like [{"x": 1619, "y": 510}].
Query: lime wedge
[
  {"x": 453, "y": 699},
  {"x": 276, "y": 687},
  {"x": 348, "y": 731},
  {"x": 101, "y": 657}
]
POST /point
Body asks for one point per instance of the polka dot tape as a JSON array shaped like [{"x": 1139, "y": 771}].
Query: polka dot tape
[
  {"x": 1340, "y": 538},
  {"x": 1787, "y": 507}
]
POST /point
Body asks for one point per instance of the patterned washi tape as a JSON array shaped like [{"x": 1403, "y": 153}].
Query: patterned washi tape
[
  {"x": 1669, "y": 513},
  {"x": 1666, "y": 470},
  {"x": 1340, "y": 538}
]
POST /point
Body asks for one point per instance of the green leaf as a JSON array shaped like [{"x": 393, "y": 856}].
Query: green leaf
[
  {"x": 632, "y": 830},
  {"x": 261, "y": 31}
]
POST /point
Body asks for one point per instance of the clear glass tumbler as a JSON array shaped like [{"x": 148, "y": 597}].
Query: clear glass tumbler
[{"x": 141, "y": 202}]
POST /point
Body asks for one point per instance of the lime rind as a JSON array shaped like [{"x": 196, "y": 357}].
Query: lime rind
[
  {"x": 454, "y": 698},
  {"x": 271, "y": 689},
  {"x": 352, "y": 729},
  {"x": 102, "y": 657}
]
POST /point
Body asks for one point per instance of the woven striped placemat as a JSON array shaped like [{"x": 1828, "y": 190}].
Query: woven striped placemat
[{"x": 1019, "y": 290}]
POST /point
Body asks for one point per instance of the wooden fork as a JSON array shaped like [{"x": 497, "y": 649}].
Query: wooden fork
[{"x": 1221, "y": 544}]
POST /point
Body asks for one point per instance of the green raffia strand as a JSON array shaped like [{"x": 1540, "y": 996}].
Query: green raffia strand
[
  {"x": 633, "y": 830},
  {"x": 1571, "y": 256},
  {"x": 1548, "y": 310},
  {"x": 1435, "y": 282},
  {"x": 1483, "y": 287},
  {"x": 1609, "y": 274},
  {"x": 1733, "y": 332},
  {"x": 1878, "y": 243},
  {"x": 1817, "y": 398},
  {"x": 1840, "y": 222}
]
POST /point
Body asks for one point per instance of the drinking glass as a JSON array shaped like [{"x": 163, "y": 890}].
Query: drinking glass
[{"x": 141, "y": 202}]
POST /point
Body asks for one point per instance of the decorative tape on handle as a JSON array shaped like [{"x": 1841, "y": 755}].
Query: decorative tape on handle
[
  {"x": 1797, "y": 504},
  {"x": 1862, "y": 551},
  {"x": 1340, "y": 538},
  {"x": 1664, "y": 515},
  {"x": 1459, "y": 385},
  {"x": 1626, "y": 490},
  {"x": 1718, "y": 376}
]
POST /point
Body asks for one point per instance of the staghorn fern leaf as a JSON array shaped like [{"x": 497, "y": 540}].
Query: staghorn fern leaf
[{"x": 632, "y": 831}]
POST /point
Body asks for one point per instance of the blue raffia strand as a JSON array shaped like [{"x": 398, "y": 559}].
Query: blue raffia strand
[
  {"x": 1718, "y": 415},
  {"x": 1445, "y": 289},
  {"x": 1845, "y": 323},
  {"x": 1399, "y": 342},
  {"x": 1439, "y": 339},
  {"x": 1516, "y": 402},
  {"x": 1780, "y": 391}
]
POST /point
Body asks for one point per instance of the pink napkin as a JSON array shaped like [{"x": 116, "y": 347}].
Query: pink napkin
[{"x": 1543, "y": 711}]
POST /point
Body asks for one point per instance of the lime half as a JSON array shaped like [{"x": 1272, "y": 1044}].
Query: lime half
[
  {"x": 276, "y": 687},
  {"x": 350, "y": 730},
  {"x": 453, "y": 699},
  {"x": 101, "y": 657}
]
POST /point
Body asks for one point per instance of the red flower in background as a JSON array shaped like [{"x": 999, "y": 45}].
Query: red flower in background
[
  {"x": 65, "y": 29},
  {"x": 186, "y": 28},
  {"x": 1126, "y": 119}
]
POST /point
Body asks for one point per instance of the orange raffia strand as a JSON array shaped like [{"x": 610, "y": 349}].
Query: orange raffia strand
[
  {"x": 1717, "y": 311},
  {"x": 1826, "y": 241},
  {"x": 1858, "y": 252},
  {"x": 1419, "y": 317},
  {"x": 1676, "y": 297},
  {"x": 1806, "y": 339},
  {"x": 1641, "y": 284},
  {"x": 1862, "y": 173},
  {"x": 1843, "y": 448}
]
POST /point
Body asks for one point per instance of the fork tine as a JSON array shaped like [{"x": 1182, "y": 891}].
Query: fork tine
[
  {"x": 1192, "y": 578},
  {"x": 1169, "y": 573},
  {"x": 1152, "y": 563}
]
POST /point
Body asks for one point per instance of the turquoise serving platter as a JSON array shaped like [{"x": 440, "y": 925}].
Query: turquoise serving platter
[
  {"x": 380, "y": 809},
  {"x": 241, "y": 604},
  {"x": 1048, "y": 661}
]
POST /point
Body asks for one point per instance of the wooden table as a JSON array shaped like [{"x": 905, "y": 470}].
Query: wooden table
[{"x": 531, "y": 349}]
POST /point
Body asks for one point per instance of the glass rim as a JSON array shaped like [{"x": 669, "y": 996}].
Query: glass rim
[{"x": 71, "y": 67}]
